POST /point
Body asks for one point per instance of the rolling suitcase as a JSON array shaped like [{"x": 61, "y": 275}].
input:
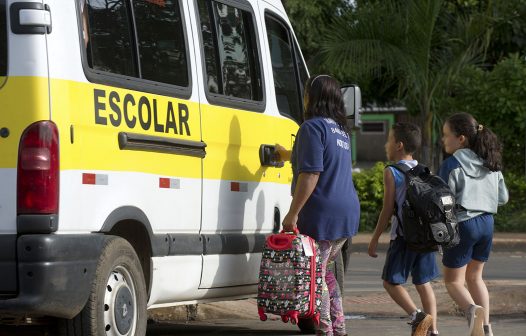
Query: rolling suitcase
[{"x": 290, "y": 278}]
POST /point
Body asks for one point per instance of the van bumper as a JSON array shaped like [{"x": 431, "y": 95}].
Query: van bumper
[{"x": 55, "y": 273}]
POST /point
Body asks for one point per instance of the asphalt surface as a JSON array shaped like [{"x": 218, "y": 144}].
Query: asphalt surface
[
  {"x": 369, "y": 309},
  {"x": 509, "y": 326}
]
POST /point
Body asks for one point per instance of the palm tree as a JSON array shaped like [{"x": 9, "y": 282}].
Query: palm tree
[{"x": 415, "y": 44}]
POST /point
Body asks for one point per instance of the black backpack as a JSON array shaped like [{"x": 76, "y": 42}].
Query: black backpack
[{"x": 428, "y": 212}]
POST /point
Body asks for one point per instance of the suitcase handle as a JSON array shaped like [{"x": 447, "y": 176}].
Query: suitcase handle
[
  {"x": 282, "y": 241},
  {"x": 294, "y": 232}
]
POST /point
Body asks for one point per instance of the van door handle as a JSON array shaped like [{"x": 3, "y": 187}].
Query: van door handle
[{"x": 267, "y": 156}]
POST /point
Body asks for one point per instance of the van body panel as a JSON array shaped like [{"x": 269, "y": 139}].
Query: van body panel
[
  {"x": 169, "y": 286},
  {"x": 91, "y": 119},
  {"x": 188, "y": 161},
  {"x": 239, "y": 194},
  {"x": 24, "y": 98},
  {"x": 65, "y": 43}
]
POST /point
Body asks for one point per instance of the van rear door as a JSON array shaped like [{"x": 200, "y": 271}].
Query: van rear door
[{"x": 24, "y": 99}]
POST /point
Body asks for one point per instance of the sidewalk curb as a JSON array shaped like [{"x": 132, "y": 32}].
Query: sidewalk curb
[{"x": 502, "y": 242}]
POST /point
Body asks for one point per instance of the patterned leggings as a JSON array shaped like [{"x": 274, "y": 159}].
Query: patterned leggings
[{"x": 332, "y": 319}]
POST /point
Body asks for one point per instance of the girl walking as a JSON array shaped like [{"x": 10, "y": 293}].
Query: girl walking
[{"x": 473, "y": 172}]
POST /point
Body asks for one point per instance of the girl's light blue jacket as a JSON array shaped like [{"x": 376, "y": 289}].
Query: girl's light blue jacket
[{"x": 477, "y": 189}]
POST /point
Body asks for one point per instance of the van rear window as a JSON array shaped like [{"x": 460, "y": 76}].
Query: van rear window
[
  {"x": 3, "y": 40},
  {"x": 140, "y": 38}
]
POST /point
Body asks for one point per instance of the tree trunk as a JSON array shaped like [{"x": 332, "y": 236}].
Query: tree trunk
[{"x": 427, "y": 139}]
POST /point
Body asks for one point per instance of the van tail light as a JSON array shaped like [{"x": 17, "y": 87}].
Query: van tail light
[{"x": 38, "y": 169}]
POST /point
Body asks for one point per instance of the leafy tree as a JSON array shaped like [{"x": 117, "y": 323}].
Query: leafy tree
[
  {"x": 413, "y": 45},
  {"x": 508, "y": 20},
  {"x": 496, "y": 99},
  {"x": 510, "y": 29},
  {"x": 311, "y": 20}
]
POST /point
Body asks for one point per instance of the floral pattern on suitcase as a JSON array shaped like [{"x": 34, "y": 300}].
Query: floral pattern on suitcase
[{"x": 285, "y": 281}]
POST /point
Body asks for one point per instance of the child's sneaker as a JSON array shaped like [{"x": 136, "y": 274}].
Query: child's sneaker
[
  {"x": 421, "y": 324},
  {"x": 475, "y": 316},
  {"x": 487, "y": 330}
]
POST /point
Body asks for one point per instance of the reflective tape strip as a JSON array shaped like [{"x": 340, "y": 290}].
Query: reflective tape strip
[
  {"x": 169, "y": 183},
  {"x": 98, "y": 179},
  {"x": 238, "y": 186}
]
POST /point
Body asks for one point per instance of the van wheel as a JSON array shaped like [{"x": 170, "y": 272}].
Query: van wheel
[{"x": 117, "y": 302}]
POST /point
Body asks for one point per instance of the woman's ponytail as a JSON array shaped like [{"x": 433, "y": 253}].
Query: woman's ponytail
[{"x": 480, "y": 139}]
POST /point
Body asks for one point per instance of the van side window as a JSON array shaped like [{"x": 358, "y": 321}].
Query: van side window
[
  {"x": 230, "y": 51},
  {"x": 303, "y": 74},
  {"x": 160, "y": 36},
  {"x": 288, "y": 69},
  {"x": 3, "y": 41},
  {"x": 109, "y": 45},
  {"x": 143, "y": 40}
]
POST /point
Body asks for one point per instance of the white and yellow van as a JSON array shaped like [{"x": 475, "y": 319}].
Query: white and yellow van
[{"x": 135, "y": 154}]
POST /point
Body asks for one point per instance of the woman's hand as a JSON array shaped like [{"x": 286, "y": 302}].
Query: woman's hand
[
  {"x": 281, "y": 153},
  {"x": 290, "y": 222}
]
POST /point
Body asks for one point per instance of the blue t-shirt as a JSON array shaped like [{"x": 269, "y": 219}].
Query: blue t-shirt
[{"x": 333, "y": 210}]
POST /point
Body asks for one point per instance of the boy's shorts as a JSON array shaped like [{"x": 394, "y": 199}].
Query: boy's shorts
[
  {"x": 476, "y": 239},
  {"x": 401, "y": 261}
]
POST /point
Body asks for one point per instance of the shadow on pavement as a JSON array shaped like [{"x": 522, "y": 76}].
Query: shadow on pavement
[{"x": 183, "y": 329}]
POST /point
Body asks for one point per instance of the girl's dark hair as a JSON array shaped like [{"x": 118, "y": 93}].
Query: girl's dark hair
[
  {"x": 325, "y": 100},
  {"x": 480, "y": 139}
]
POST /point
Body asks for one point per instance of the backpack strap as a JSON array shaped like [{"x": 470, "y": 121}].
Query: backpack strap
[
  {"x": 401, "y": 167},
  {"x": 399, "y": 228},
  {"x": 404, "y": 169}
]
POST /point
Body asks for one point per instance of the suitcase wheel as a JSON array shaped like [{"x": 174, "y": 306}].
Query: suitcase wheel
[
  {"x": 294, "y": 317},
  {"x": 262, "y": 315}
]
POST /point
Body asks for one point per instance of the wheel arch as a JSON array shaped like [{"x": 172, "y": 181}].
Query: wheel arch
[{"x": 132, "y": 224}]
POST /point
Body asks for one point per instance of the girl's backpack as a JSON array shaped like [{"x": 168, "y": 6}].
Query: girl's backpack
[{"x": 428, "y": 212}]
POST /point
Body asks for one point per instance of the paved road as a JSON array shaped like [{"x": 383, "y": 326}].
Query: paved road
[
  {"x": 364, "y": 273},
  {"x": 363, "y": 276},
  {"x": 451, "y": 326}
]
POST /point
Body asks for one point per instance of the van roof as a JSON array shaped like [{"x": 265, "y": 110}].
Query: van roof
[{"x": 276, "y": 3}]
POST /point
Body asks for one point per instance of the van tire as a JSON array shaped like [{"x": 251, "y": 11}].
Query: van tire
[{"x": 118, "y": 278}]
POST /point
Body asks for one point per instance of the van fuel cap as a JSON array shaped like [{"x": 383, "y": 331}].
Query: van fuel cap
[{"x": 4, "y": 132}]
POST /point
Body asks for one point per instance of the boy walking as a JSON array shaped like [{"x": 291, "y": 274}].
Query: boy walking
[{"x": 403, "y": 141}]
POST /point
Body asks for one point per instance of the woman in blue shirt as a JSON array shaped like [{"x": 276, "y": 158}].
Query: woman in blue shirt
[{"x": 324, "y": 202}]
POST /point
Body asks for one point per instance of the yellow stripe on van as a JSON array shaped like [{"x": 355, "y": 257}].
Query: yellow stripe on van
[
  {"x": 91, "y": 116},
  {"x": 23, "y": 100}
]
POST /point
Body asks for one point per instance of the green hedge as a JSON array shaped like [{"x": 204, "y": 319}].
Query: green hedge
[
  {"x": 369, "y": 185},
  {"x": 512, "y": 216}
]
